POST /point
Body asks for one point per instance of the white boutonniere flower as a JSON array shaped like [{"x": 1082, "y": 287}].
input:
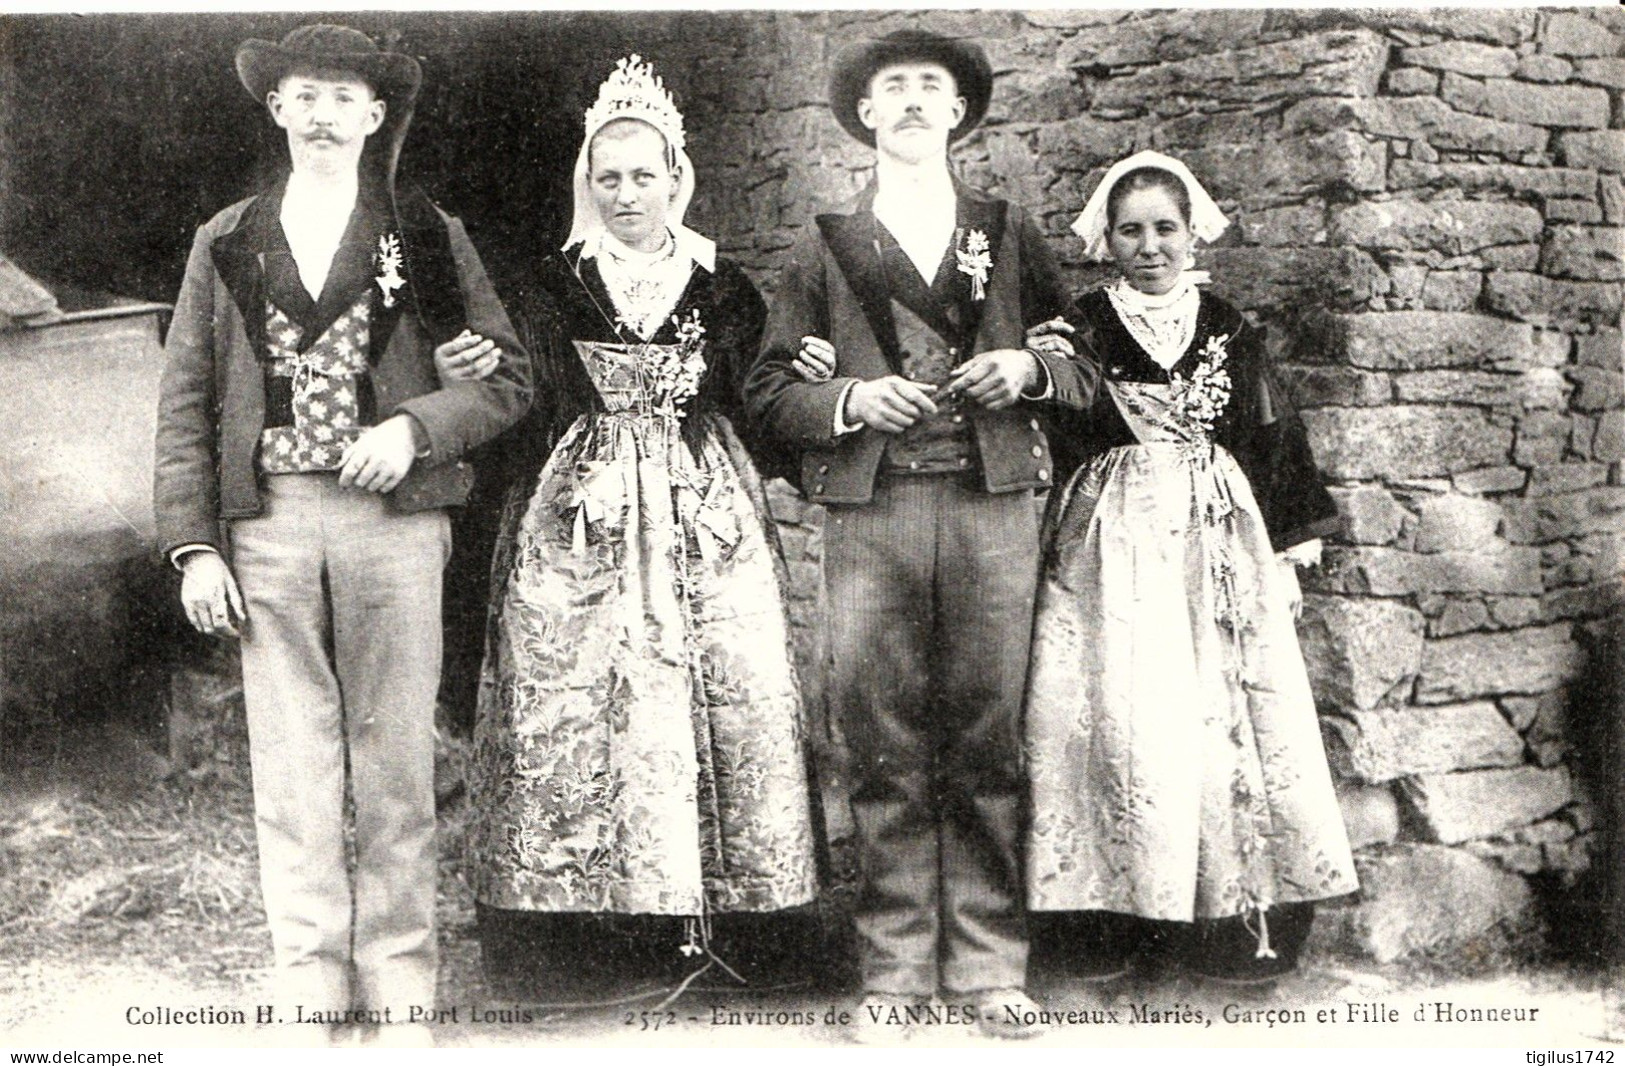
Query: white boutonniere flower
[
  {"x": 389, "y": 267},
  {"x": 975, "y": 260},
  {"x": 1207, "y": 392}
]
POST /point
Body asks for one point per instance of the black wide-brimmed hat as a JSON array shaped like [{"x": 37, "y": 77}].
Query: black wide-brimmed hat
[
  {"x": 320, "y": 46},
  {"x": 858, "y": 63}
]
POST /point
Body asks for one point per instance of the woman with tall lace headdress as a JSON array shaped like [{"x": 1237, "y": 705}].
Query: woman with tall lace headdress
[
  {"x": 639, "y": 754},
  {"x": 1176, "y": 765}
]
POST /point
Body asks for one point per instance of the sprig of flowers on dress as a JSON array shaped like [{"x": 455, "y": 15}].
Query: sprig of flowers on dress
[
  {"x": 389, "y": 267},
  {"x": 975, "y": 260},
  {"x": 1203, "y": 396},
  {"x": 673, "y": 371}
]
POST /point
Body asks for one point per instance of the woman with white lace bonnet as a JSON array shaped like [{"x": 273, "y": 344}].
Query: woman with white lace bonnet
[
  {"x": 1179, "y": 785},
  {"x": 639, "y": 763}
]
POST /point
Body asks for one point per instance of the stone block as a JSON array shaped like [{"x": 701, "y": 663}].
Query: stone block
[
  {"x": 1510, "y": 256},
  {"x": 1595, "y": 150},
  {"x": 1405, "y": 441},
  {"x": 1506, "y": 26},
  {"x": 1292, "y": 226},
  {"x": 1519, "y": 711},
  {"x": 1268, "y": 168},
  {"x": 1566, "y": 106},
  {"x": 1386, "y": 743},
  {"x": 1333, "y": 63},
  {"x": 1563, "y": 478},
  {"x": 1463, "y": 57},
  {"x": 1370, "y": 513},
  {"x": 1370, "y": 814},
  {"x": 1494, "y": 177},
  {"x": 1602, "y": 348},
  {"x": 1424, "y": 119},
  {"x": 1423, "y": 898},
  {"x": 1456, "y": 523},
  {"x": 1574, "y": 514},
  {"x": 1589, "y": 253},
  {"x": 1608, "y": 444},
  {"x": 1539, "y": 66},
  {"x": 1421, "y": 340},
  {"x": 1451, "y": 290},
  {"x": 1548, "y": 734},
  {"x": 1611, "y": 193},
  {"x": 1459, "y": 616},
  {"x": 1272, "y": 277},
  {"x": 1411, "y": 81},
  {"x": 1156, "y": 37},
  {"x": 1478, "y": 665},
  {"x": 1542, "y": 436},
  {"x": 1569, "y": 34},
  {"x": 1454, "y": 227},
  {"x": 1489, "y": 480},
  {"x": 1598, "y": 388},
  {"x": 1513, "y": 612},
  {"x": 1358, "y": 650},
  {"x": 1322, "y": 386},
  {"x": 1534, "y": 388},
  {"x": 1547, "y": 300},
  {"x": 1456, "y": 807},
  {"x": 1394, "y": 572},
  {"x": 1609, "y": 72},
  {"x": 1082, "y": 143}
]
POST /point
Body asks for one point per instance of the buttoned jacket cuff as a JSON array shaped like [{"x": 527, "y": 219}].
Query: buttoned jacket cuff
[
  {"x": 1045, "y": 379},
  {"x": 841, "y": 426}
]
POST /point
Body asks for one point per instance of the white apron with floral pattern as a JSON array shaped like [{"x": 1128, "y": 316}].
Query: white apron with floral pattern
[{"x": 1176, "y": 762}]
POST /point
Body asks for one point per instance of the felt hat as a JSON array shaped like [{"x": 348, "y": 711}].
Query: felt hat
[
  {"x": 321, "y": 46},
  {"x": 858, "y": 63}
]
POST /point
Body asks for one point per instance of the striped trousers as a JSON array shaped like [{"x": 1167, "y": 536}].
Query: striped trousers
[{"x": 929, "y": 592}]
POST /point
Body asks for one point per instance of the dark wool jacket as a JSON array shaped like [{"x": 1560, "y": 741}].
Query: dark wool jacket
[
  {"x": 835, "y": 287},
  {"x": 213, "y": 404},
  {"x": 566, "y": 301},
  {"x": 1259, "y": 425}
]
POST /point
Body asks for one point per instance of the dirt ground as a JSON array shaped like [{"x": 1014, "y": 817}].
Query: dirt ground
[{"x": 126, "y": 889}]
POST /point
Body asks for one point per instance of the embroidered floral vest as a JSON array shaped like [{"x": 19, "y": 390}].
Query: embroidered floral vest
[{"x": 326, "y": 380}]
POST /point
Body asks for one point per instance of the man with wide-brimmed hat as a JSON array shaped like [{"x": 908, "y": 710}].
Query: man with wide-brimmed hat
[
  {"x": 306, "y": 454},
  {"x": 896, "y": 361}
]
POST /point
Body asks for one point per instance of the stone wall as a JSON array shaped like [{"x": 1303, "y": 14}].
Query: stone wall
[{"x": 1427, "y": 210}]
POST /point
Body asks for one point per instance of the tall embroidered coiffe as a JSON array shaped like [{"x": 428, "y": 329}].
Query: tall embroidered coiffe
[{"x": 643, "y": 286}]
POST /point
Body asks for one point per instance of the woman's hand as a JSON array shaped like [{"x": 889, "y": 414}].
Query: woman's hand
[
  {"x": 816, "y": 360},
  {"x": 1050, "y": 338},
  {"x": 466, "y": 357},
  {"x": 1305, "y": 554},
  {"x": 1289, "y": 583}
]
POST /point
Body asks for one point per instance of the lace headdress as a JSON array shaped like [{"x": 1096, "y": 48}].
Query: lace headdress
[
  {"x": 1207, "y": 221},
  {"x": 634, "y": 91}
]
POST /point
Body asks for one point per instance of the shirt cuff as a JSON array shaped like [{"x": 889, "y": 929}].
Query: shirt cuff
[
  {"x": 1046, "y": 380},
  {"x": 177, "y": 554},
  {"x": 842, "y": 427}
]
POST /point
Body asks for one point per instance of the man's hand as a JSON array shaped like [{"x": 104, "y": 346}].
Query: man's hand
[
  {"x": 816, "y": 360},
  {"x": 209, "y": 594},
  {"x": 466, "y": 357},
  {"x": 380, "y": 457},
  {"x": 995, "y": 379},
  {"x": 1051, "y": 338},
  {"x": 889, "y": 404}
]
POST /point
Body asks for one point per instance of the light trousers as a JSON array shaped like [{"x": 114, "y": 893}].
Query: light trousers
[{"x": 341, "y": 663}]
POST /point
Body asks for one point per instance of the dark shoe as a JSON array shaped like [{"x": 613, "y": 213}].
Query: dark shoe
[
  {"x": 1237, "y": 951},
  {"x": 1006, "y": 1013}
]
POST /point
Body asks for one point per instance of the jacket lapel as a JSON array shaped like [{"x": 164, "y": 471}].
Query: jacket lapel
[
  {"x": 852, "y": 241},
  {"x": 431, "y": 275},
  {"x": 910, "y": 290},
  {"x": 237, "y": 261}
]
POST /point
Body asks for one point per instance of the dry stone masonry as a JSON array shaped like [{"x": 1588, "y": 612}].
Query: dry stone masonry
[{"x": 1428, "y": 210}]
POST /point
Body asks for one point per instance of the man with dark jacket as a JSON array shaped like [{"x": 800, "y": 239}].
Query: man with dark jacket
[
  {"x": 306, "y": 454},
  {"x": 923, "y": 432}
]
